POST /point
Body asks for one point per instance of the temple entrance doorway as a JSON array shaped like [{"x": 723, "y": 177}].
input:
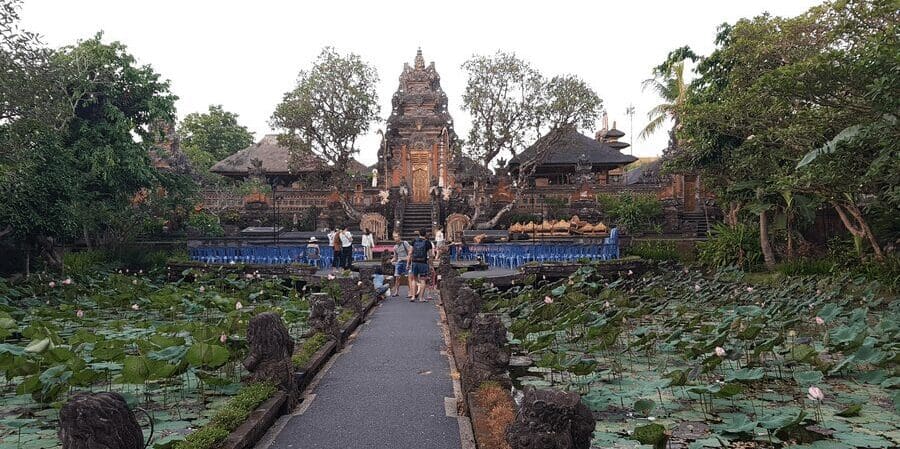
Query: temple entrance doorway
[
  {"x": 420, "y": 185},
  {"x": 420, "y": 179},
  {"x": 690, "y": 193}
]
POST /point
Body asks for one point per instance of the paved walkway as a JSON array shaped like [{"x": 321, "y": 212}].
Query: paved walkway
[{"x": 386, "y": 391}]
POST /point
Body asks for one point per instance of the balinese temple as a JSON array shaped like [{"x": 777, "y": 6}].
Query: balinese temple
[
  {"x": 574, "y": 156},
  {"x": 274, "y": 162},
  {"x": 417, "y": 152}
]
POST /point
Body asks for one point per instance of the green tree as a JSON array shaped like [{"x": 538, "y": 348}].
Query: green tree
[
  {"x": 776, "y": 88},
  {"x": 668, "y": 83},
  {"x": 335, "y": 102},
  {"x": 211, "y": 136}
]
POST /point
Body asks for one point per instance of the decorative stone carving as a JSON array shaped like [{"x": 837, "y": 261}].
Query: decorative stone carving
[
  {"x": 487, "y": 356},
  {"x": 98, "y": 421},
  {"x": 376, "y": 224},
  {"x": 350, "y": 293},
  {"x": 322, "y": 317},
  {"x": 463, "y": 307},
  {"x": 271, "y": 348},
  {"x": 551, "y": 419}
]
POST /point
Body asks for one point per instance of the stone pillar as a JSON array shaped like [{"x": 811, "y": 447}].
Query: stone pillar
[
  {"x": 98, "y": 421},
  {"x": 269, "y": 360},
  {"x": 322, "y": 316},
  {"x": 551, "y": 419},
  {"x": 462, "y": 307}
]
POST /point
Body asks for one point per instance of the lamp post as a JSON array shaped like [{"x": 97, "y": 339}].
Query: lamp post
[
  {"x": 274, "y": 212},
  {"x": 629, "y": 111}
]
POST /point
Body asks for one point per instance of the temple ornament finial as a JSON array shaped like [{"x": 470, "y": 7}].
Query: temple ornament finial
[{"x": 420, "y": 61}]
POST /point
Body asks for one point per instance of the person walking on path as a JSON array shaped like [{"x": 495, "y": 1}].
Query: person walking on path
[
  {"x": 421, "y": 252},
  {"x": 368, "y": 241},
  {"x": 401, "y": 251},
  {"x": 346, "y": 239}
]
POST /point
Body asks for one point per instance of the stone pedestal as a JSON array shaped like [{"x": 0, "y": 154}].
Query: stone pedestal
[
  {"x": 269, "y": 360},
  {"x": 551, "y": 419},
  {"x": 98, "y": 421}
]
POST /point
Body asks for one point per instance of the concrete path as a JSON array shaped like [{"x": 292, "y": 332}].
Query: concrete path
[{"x": 386, "y": 390}]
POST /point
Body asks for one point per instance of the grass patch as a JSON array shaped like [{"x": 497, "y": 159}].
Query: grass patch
[
  {"x": 229, "y": 417},
  {"x": 308, "y": 348}
]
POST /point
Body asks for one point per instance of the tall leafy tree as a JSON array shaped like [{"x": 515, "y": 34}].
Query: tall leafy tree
[
  {"x": 513, "y": 104},
  {"x": 211, "y": 136},
  {"x": 503, "y": 95},
  {"x": 334, "y": 103},
  {"x": 668, "y": 83}
]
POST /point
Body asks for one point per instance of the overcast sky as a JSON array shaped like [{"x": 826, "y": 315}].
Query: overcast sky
[{"x": 246, "y": 54}]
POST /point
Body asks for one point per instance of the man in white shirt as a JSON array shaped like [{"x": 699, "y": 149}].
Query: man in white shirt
[{"x": 346, "y": 248}]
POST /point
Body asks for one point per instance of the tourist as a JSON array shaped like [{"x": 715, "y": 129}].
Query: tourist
[
  {"x": 421, "y": 252},
  {"x": 401, "y": 252},
  {"x": 313, "y": 253},
  {"x": 378, "y": 282},
  {"x": 346, "y": 241},
  {"x": 368, "y": 241},
  {"x": 336, "y": 248}
]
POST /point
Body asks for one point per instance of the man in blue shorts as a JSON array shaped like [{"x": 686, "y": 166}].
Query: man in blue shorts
[{"x": 421, "y": 252}]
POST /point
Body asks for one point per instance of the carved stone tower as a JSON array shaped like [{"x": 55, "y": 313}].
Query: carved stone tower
[{"x": 417, "y": 150}]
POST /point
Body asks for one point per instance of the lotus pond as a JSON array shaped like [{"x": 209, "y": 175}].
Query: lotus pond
[
  {"x": 172, "y": 348},
  {"x": 683, "y": 359}
]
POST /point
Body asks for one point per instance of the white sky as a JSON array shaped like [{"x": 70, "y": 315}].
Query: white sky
[{"x": 246, "y": 54}]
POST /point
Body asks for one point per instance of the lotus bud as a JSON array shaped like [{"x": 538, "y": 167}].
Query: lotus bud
[
  {"x": 720, "y": 352},
  {"x": 820, "y": 321},
  {"x": 202, "y": 289},
  {"x": 52, "y": 284},
  {"x": 135, "y": 307},
  {"x": 749, "y": 289},
  {"x": 815, "y": 394},
  {"x": 223, "y": 338},
  {"x": 68, "y": 281},
  {"x": 238, "y": 306},
  {"x": 548, "y": 300},
  {"x": 79, "y": 313}
]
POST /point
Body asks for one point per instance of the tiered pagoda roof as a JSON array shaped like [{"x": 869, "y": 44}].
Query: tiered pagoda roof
[{"x": 572, "y": 147}]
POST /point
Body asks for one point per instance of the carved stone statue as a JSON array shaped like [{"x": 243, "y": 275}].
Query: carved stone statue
[
  {"x": 271, "y": 348},
  {"x": 551, "y": 419},
  {"x": 487, "y": 356},
  {"x": 98, "y": 421},
  {"x": 322, "y": 317},
  {"x": 463, "y": 307}
]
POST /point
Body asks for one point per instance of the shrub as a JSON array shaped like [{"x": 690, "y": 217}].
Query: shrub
[
  {"x": 806, "y": 267},
  {"x": 308, "y": 348},
  {"x": 634, "y": 212},
  {"x": 206, "y": 225},
  {"x": 738, "y": 246},
  {"x": 82, "y": 263},
  {"x": 654, "y": 250}
]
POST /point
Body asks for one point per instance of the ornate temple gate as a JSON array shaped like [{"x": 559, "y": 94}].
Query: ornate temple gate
[
  {"x": 690, "y": 193},
  {"x": 420, "y": 176}
]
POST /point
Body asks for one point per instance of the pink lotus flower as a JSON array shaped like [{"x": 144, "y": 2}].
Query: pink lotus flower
[
  {"x": 696, "y": 287},
  {"x": 820, "y": 321},
  {"x": 52, "y": 284},
  {"x": 630, "y": 272},
  {"x": 134, "y": 282},
  {"x": 79, "y": 313},
  {"x": 140, "y": 271},
  {"x": 223, "y": 338},
  {"x": 606, "y": 304},
  {"x": 720, "y": 351},
  {"x": 749, "y": 289},
  {"x": 548, "y": 300},
  {"x": 68, "y": 281},
  {"x": 135, "y": 307},
  {"x": 248, "y": 276},
  {"x": 202, "y": 289},
  {"x": 818, "y": 292},
  {"x": 330, "y": 277},
  {"x": 238, "y": 306},
  {"x": 815, "y": 394},
  {"x": 359, "y": 283}
]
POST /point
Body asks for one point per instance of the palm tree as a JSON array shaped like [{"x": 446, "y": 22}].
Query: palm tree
[{"x": 671, "y": 87}]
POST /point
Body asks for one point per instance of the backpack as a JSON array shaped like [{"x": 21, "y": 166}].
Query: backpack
[{"x": 420, "y": 250}]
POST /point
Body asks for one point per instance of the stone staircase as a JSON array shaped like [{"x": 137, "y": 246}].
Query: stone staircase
[
  {"x": 415, "y": 217},
  {"x": 695, "y": 223}
]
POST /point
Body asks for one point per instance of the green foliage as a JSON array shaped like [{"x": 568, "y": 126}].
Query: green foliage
[
  {"x": 211, "y": 136},
  {"x": 205, "y": 224},
  {"x": 659, "y": 250},
  {"x": 207, "y": 437},
  {"x": 727, "y": 246},
  {"x": 634, "y": 212},
  {"x": 308, "y": 348},
  {"x": 334, "y": 102},
  {"x": 805, "y": 267}
]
